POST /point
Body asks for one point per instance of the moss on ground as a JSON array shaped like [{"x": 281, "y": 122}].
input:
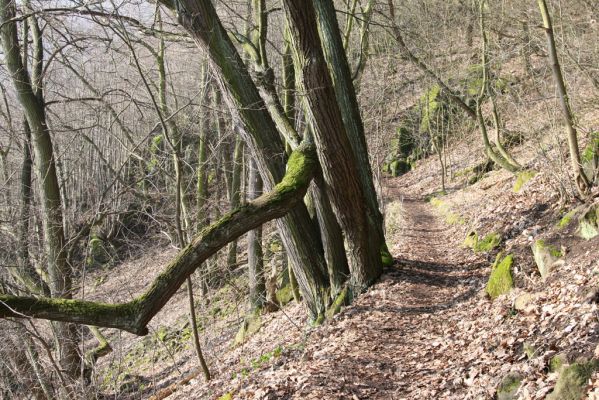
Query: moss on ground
[
  {"x": 557, "y": 362},
  {"x": 451, "y": 218},
  {"x": 522, "y": 178},
  {"x": 484, "y": 245},
  {"x": 508, "y": 387},
  {"x": 500, "y": 280}
]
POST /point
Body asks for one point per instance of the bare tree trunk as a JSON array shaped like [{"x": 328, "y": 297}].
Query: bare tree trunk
[
  {"x": 580, "y": 179},
  {"x": 30, "y": 95},
  {"x": 255, "y": 254},
  {"x": 338, "y": 160}
]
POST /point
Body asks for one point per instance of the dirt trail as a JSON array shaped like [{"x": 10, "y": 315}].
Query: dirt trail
[{"x": 402, "y": 339}]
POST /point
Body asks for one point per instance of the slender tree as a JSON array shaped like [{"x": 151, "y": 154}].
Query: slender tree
[{"x": 580, "y": 179}]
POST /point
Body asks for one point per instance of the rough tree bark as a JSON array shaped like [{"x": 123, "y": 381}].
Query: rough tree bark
[
  {"x": 337, "y": 158},
  {"x": 300, "y": 238}
]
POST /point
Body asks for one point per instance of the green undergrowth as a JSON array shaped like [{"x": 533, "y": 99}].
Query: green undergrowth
[
  {"x": 162, "y": 344},
  {"x": 258, "y": 362},
  {"x": 500, "y": 280}
]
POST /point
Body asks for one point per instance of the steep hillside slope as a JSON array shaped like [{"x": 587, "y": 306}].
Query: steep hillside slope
[{"x": 428, "y": 329}]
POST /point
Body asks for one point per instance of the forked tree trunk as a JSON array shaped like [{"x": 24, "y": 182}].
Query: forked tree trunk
[
  {"x": 337, "y": 158},
  {"x": 340, "y": 73},
  {"x": 199, "y": 18}
]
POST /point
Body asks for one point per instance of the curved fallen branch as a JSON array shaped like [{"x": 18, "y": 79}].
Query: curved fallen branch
[{"x": 133, "y": 316}]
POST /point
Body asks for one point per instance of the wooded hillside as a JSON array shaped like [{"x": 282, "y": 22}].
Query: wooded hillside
[{"x": 299, "y": 199}]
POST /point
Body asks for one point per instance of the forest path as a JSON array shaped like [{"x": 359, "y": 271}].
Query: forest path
[{"x": 404, "y": 338}]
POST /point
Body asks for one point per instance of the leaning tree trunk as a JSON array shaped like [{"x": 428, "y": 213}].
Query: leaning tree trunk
[
  {"x": 337, "y": 157},
  {"x": 300, "y": 238},
  {"x": 340, "y": 73}
]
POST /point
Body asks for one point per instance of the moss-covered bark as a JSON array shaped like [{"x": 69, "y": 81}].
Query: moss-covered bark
[{"x": 135, "y": 315}]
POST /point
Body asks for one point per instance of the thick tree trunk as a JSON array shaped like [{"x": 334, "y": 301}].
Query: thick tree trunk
[
  {"x": 300, "y": 238},
  {"x": 339, "y": 69},
  {"x": 337, "y": 158}
]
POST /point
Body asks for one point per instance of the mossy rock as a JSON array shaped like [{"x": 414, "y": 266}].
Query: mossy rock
[
  {"x": 566, "y": 219},
  {"x": 471, "y": 240},
  {"x": 509, "y": 386},
  {"x": 99, "y": 253},
  {"x": 284, "y": 295},
  {"x": 588, "y": 223},
  {"x": 251, "y": 324},
  {"x": 573, "y": 380},
  {"x": 404, "y": 142},
  {"x": 590, "y": 158},
  {"x": 398, "y": 167},
  {"x": 546, "y": 256},
  {"x": 429, "y": 104},
  {"x": 500, "y": 280},
  {"x": 488, "y": 243},
  {"x": 484, "y": 245},
  {"x": 522, "y": 178}
]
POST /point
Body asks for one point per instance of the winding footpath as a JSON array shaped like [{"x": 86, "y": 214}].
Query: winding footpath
[{"x": 404, "y": 338}]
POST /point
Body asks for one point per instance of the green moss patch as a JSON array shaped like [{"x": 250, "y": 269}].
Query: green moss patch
[
  {"x": 251, "y": 324},
  {"x": 451, "y": 218},
  {"x": 484, "y": 245},
  {"x": 566, "y": 219},
  {"x": 500, "y": 280},
  {"x": 557, "y": 362},
  {"x": 588, "y": 225},
  {"x": 386, "y": 257},
  {"x": 340, "y": 301},
  {"x": 508, "y": 387},
  {"x": 573, "y": 380},
  {"x": 522, "y": 178}
]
